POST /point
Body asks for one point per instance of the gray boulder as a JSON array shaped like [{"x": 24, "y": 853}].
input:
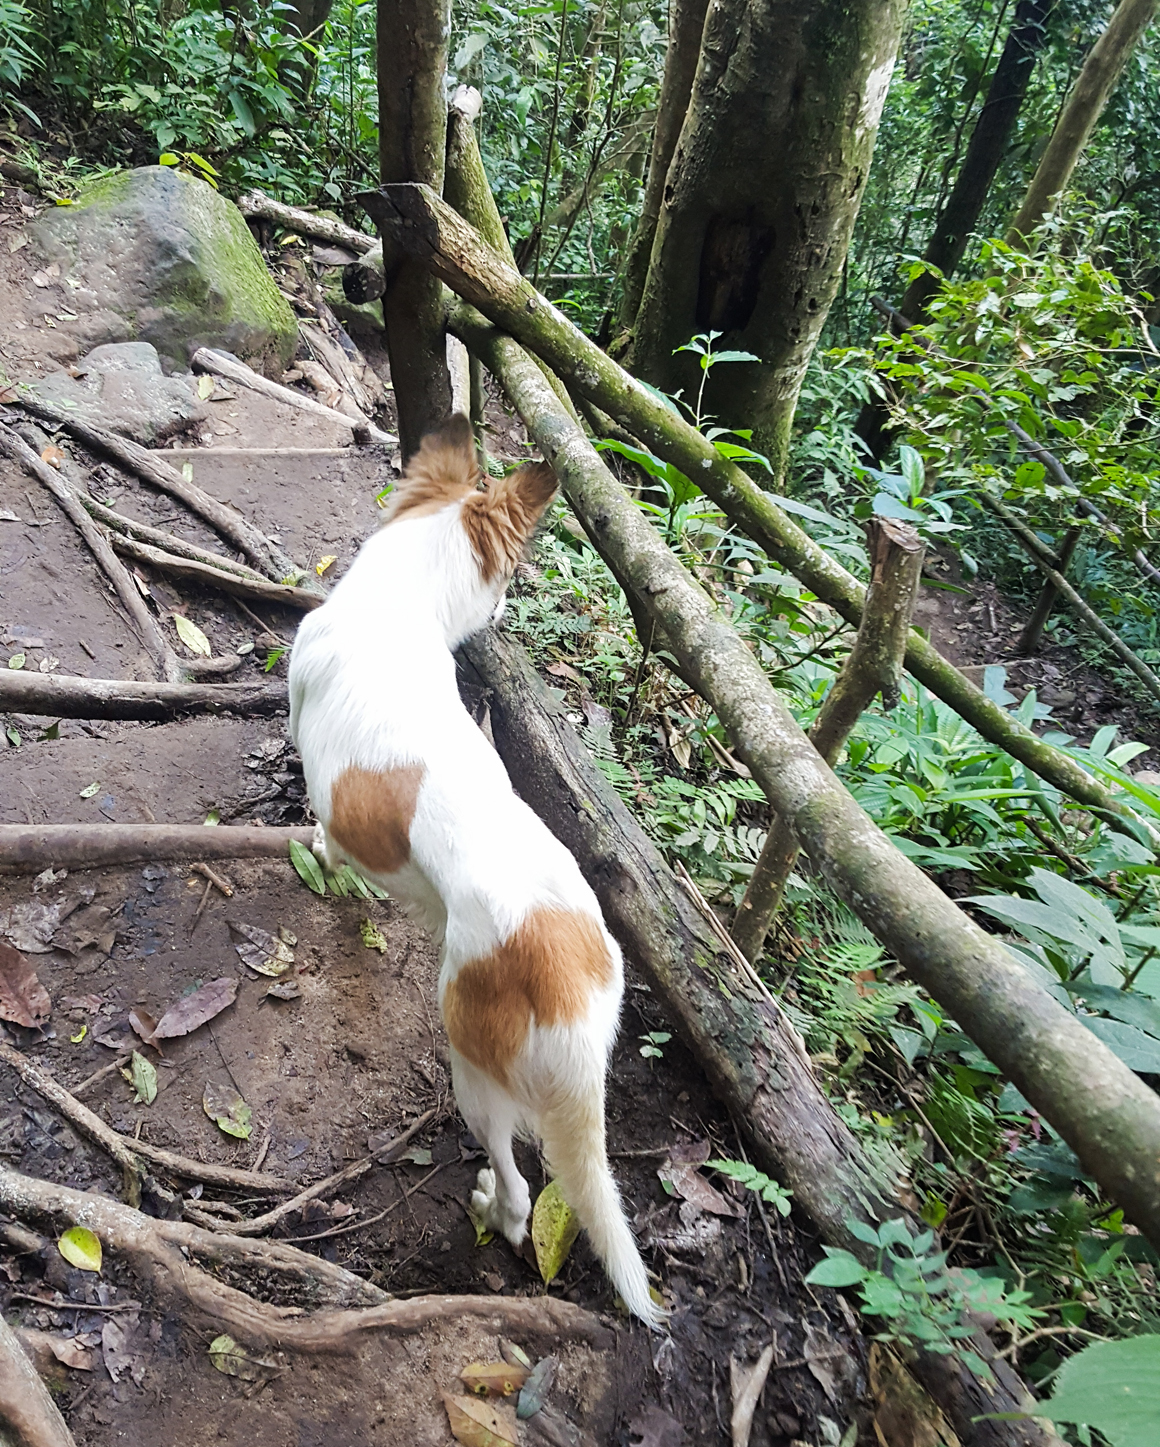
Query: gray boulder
[
  {"x": 157, "y": 256},
  {"x": 121, "y": 385}
]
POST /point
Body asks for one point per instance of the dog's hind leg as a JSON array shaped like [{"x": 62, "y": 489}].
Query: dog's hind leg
[{"x": 501, "y": 1200}]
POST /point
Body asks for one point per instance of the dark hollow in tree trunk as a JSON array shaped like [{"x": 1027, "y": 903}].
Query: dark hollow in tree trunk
[
  {"x": 428, "y": 228},
  {"x": 760, "y": 200},
  {"x": 52, "y": 695},
  {"x": 1081, "y": 111},
  {"x": 985, "y": 151},
  {"x": 686, "y": 24},
  {"x": 873, "y": 665},
  {"x": 412, "y": 61}
]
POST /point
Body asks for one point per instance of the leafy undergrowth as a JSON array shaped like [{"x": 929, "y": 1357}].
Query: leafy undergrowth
[{"x": 1026, "y": 1233}]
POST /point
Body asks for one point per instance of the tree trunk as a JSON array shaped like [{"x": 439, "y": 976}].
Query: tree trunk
[
  {"x": 985, "y": 151},
  {"x": 456, "y": 253},
  {"x": 1105, "y": 1112},
  {"x": 873, "y": 665},
  {"x": 412, "y": 61},
  {"x": 686, "y": 24},
  {"x": 1096, "y": 81},
  {"x": 761, "y": 197}
]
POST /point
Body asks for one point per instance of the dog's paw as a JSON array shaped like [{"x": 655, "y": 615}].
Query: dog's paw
[
  {"x": 484, "y": 1205},
  {"x": 318, "y": 845}
]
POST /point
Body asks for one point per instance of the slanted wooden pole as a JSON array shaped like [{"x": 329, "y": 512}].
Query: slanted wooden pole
[
  {"x": 873, "y": 665},
  {"x": 1032, "y": 635},
  {"x": 428, "y": 228}
]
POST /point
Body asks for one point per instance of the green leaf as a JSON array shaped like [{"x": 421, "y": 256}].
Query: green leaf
[
  {"x": 308, "y": 867},
  {"x": 840, "y": 1268},
  {"x": 1137, "y": 1050},
  {"x": 90, "y": 790},
  {"x": 272, "y": 658},
  {"x": 555, "y": 1227},
  {"x": 80, "y": 1248},
  {"x": 142, "y": 1076},
  {"x": 16, "y": 661},
  {"x": 192, "y": 636},
  {"x": 227, "y": 1109},
  {"x": 169, "y": 158},
  {"x": 1114, "y": 1387}
]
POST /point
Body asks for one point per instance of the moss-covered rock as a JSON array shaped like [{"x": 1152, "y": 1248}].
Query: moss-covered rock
[{"x": 161, "y": 257}]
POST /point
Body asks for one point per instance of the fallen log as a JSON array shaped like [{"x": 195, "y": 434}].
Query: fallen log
[
  {"x": 151, "y": 467},
  {"x": 25, "y": 848},
  {"x": 157, "y": 1249},
  {"x": 873, "y": 665},
  {"x": 427, "y": 228},
  {"x": 222, "y": 364},
  {"x": 306, "y": 223},
  {"x": 1105, "y": 1113},
  {"x": 51, "y": 695},
  {"x": 752, "y": 1056}
]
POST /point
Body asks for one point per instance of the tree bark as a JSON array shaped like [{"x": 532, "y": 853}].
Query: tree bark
[
  {"x": 1105, "y": 1112},
  {"x": 25, "y": 848},
  {"x": 760, "y": 200},
  {"x": 412, "y": 61},
  {"x": 985, "y": 151},
  {"x": 686, "y": 25},
  {"x": 753, "y": 1057},
  {"x": 433, "y": 231},
  {"x": 50, "y": 695},
  {"x": 1032, "y": 635},
  {"x": 306, "y": 223},
  {"x": 1095, "y": 83},
  {"x": 873, "y": 665},
  {"x": 26, "y": 1406}
]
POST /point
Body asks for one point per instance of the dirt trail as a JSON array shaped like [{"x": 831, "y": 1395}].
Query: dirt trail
[{"x": 357, "y": 1055}]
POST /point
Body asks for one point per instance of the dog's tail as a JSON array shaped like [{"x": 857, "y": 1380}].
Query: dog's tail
[{"x": 572, "y": 1131}]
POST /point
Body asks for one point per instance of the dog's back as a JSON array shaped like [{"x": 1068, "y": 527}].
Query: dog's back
[{"x": 406, "y": 788}]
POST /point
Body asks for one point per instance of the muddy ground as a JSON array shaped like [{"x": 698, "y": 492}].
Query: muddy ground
[{"x": 354, "y": 1058}]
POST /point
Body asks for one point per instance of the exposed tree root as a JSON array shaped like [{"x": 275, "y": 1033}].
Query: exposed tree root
[
  {"x": 25, "y": 848},
  {"x": 51, "y": 695},
  {"x": 155, "y": 1249},
  {"x": 25, "y": 1403}
]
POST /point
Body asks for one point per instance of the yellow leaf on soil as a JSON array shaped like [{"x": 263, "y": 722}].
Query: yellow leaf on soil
[
  {"x": 192, "y": 636},
  {"x": 480, "y": 1424},
  {"x": 493, "y": 1379},
  {"x": 80, "y": 1248},
  {"x": 555, "y": 1227}
]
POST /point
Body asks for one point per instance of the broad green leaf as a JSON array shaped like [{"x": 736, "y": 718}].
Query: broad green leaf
[
  {"x": 555, "y": 1227},
  {"x": 81, "y": 1248},
  {"x": 1137, "y": 1050},
  {"x": 192, "y": 636},
  {"x": 91, "y": 790},
  {"x": 142, "y": 1076},
  {"x": 1112, "y": 1386},
  {"x": 1061, "y": 893},
  {"x": 17, "y": 661},
  {"x": 839, "y": 1268},
  {"x": 227, "y": 1109},
  {"x": 1127, "y": 1005},
  {"x": 308, "y": 867}
]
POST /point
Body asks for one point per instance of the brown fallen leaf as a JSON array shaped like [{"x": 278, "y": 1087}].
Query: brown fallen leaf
[
  {"x": 70, "y": 1353},
  {"x": 85, "y": 927},
  {"x": 30, "y": 925},
  {"x": 120, "y": 1346},
  {"x": 565, "y": 670},
  {"x": 195, "y": 1009},
  {"x": 478, "y": 1423},
  {"x": 493, "y": 1379},
  {"x": 681, "y": 1175},
  {"x": 261, "y": 951},
  {"x": 144, "y": 1024},
  {"x": 23, "y": 999}
]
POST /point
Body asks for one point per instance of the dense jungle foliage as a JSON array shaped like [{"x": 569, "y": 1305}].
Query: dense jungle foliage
[{"x": 1062, "y": 343}]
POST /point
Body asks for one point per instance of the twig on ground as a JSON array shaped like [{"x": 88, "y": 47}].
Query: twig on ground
[
  {"x": 266, "y": 555},
  {"x": 53, "y": 695},
  {"x": 155, "y": 1248},
  {"x": 747, "y": 1386},
  {"x": 25, "y": 1403},
  {"x": 214, "y": 878},
  {"x": 145, "y": 625},
  {"x": 261, "y": 1224},
  {"x": 102, "y": 1074},
  {"x": 26, "y": 848},
  {"x": 371, "y": 1220},
  {"x": 267, "y": 631}
]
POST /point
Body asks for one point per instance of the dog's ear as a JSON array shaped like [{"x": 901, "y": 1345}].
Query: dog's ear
[
  {"x": 442, "y": 471},
  {"x": 500, "y": 522}
]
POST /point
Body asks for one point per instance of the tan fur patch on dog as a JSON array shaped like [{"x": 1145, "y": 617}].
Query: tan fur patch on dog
[
  {"x": 371, "y": 812},
  {"x": 442, "y": 471},
  {"x": 500, "y": 522},
  {"x": 546, "y": 970}
]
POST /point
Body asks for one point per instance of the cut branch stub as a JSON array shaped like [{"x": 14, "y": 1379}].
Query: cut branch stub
[{"x": 435, "y": 233}]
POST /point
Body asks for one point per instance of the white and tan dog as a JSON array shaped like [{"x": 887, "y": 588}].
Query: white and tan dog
[{"x": 410, "y": 792}]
